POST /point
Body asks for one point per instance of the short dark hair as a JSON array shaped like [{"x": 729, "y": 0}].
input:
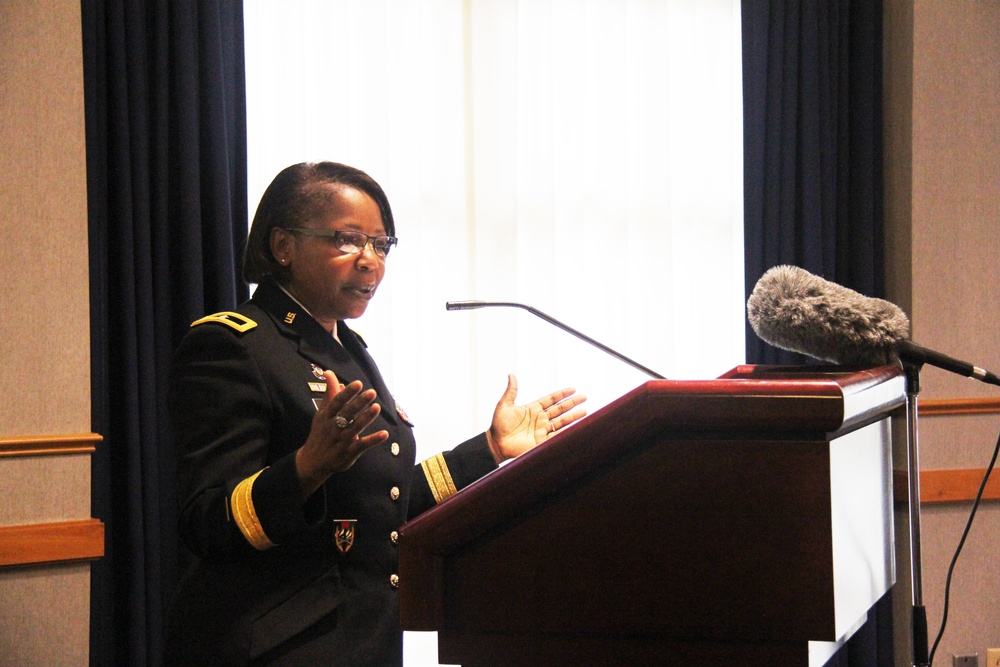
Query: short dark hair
[{"x": 298, "y": 195}]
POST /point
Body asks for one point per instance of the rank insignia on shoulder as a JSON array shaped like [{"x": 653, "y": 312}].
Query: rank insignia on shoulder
[
  {"x": 343, "y": 534},
  {"x": 236, "y": 321}
]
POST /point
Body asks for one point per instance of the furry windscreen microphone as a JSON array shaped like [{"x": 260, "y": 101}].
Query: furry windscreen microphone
[{"x": 792, "y": 309}]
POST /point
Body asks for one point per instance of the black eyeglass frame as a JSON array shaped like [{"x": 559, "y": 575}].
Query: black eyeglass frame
[{"x": 335, "y": 234}]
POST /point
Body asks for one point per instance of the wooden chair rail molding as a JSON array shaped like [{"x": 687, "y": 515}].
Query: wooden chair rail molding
[
  {"x": 957, "y": 486},
  {"x": 55, "y": 542},
  {"x": 49, "y": 445},
  {"x": 60, "y": 542},
  {"x": 934, "y": 407},
  {"x": 84, "y": 539},
  {"x": 953, "y": 486}
]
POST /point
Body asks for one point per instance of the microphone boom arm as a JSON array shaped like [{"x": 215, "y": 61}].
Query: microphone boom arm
[
  {"x": 913, "y": 353},
  {"x": 472, "y": 305}
]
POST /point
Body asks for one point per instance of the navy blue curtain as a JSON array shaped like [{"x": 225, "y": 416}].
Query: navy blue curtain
[
  {"x": 812, "y": 86},
  {"x": 166, "y": 177}
]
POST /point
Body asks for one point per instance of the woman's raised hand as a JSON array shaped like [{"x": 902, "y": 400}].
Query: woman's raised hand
[
  {"x": 335, "y": 441},
  {"x": 518, "y": 428}
]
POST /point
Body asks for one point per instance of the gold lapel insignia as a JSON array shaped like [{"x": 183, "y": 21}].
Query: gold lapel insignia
[
  {"x": 289, "y": 317},
  {"x": 343, "y": 534}
]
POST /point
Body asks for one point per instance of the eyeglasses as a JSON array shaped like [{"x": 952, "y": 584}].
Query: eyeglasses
[{"x": 349, "y": 241}]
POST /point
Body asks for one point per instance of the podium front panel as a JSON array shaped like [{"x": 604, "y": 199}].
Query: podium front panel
[{"x": 752, "y": 510}]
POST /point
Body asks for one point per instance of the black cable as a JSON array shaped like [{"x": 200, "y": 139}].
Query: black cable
[{"x": 961, "y": 543}]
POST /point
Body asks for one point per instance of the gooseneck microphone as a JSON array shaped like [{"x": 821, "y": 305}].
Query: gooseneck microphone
[
  {"x": 472, "y": 305},
  {"x": 795, "y": 310}
]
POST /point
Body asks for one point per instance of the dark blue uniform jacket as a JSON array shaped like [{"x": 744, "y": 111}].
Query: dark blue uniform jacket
[{"x": 270, "y": 584}]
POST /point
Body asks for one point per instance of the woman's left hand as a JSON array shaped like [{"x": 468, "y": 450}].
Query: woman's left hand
[{"x": 518, "y": 428}]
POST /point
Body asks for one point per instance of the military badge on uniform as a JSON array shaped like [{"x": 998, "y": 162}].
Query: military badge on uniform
[
  {"x": 317, "y": 386},
  {"x": 343, "y": 534},
  {"x": 402, "y": 414},
  {"x": 290, "y": 317}
]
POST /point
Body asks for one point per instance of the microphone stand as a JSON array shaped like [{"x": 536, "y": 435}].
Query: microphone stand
[
  {"x": 919, "y": 616},
  {"x": 913, "y": 357},
  {"x": 472, "y": 305}
]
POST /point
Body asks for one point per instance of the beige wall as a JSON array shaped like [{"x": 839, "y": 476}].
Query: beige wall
[
  {"x": 943, "y": 230},
  {"x": 44, "y": 322}
]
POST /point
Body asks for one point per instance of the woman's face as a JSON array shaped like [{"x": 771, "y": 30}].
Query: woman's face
[{"x": 331, "y": 284}]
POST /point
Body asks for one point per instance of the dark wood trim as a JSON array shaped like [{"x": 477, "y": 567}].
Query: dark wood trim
[
  {"x": 60, "y": 542},
  {"x": 50, "y": 445}
]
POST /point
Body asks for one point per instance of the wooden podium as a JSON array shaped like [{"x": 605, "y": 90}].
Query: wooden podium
[{"x": 740, "y": 521}]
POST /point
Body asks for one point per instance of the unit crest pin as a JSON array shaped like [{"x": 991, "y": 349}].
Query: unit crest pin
[{"x": 343, "y": 534}]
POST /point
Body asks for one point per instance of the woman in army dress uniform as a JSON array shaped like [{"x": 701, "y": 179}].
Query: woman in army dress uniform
[{"x": 296, "y": 464}]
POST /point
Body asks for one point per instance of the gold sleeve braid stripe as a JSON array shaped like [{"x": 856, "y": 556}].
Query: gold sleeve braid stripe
[
  {"x": 246, "y": 516},
  {"x": 439, "y": 478}
]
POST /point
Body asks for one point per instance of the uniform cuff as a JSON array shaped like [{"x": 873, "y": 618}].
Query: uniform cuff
[{"x": 267, "y": 506}]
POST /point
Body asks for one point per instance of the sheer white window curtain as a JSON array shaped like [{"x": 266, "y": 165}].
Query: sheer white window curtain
[{"x": 580, "y": 156}]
